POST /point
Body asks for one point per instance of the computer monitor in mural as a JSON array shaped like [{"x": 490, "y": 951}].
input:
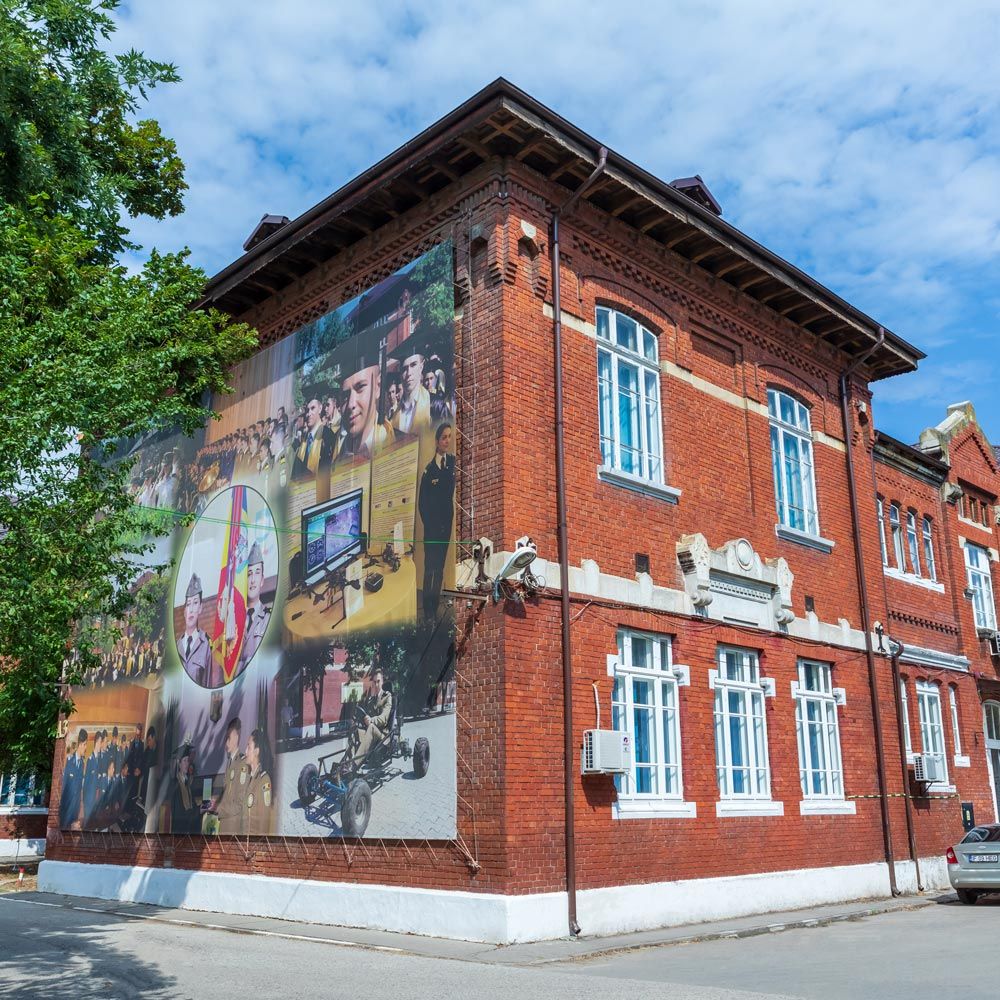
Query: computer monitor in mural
[{"x": 331, "y": 535}]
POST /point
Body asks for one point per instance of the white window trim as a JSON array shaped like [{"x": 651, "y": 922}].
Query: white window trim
[
  {"x": 916, "y": 581},
  {"x": 896, "y": 535},
  {"x": 614, "y": 472},
  {"x": 927, "y": 533},
  {"x": 932, "y": 694},
  {"x": 907, "y": 735},
  {"x": 974, "y": 574},
  {"x": 761, "y": 803},
  {"x": 806, "y": 437},
  {"x": 880, "y": 517},
  {"x": 956, "y": 736},
  {"x": 913, "y": 543},
  {"x": 828, "y": 701},
  {"x": 653, "y": 804},
  {"x": 828, "y": 807}
]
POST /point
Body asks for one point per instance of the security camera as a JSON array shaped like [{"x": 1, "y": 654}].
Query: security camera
[{"x": 524, "y": 554}]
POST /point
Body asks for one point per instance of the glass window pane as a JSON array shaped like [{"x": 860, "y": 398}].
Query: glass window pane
[
  {"x": 627, "y": 331},
  {"x": 649, "y": 345},
  {"x": 603, "y": 324},
  {"x": 787, "y": 409},
  {"x": 628, "y": 418}
]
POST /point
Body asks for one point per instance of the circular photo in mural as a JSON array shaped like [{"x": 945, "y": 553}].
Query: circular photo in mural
[{"x": 225, "y": 587}]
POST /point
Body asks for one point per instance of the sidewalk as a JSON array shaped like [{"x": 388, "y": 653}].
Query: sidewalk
[{"x": 533, "y": 954}]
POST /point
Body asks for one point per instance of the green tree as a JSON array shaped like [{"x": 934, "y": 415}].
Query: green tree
[{"x": 90, "y": 353}]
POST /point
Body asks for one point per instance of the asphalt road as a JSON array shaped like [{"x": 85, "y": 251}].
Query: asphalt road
[
  {"x": 938, "y": 952},
  {"x": 52, "y": 952}
]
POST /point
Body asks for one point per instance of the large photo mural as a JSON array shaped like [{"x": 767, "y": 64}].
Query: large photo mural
[{"x": 288, "y": 665}]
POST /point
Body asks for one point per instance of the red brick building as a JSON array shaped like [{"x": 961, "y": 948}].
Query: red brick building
[{"x": 712, "y": 473}]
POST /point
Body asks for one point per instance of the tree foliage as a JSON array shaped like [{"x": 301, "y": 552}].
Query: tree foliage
[{"x": 90, "y": 353}]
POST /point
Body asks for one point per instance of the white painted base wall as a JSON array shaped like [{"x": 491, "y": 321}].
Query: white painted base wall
[
  {"x": 491, "y": 918},
  {"x": 31, "y": 848}
]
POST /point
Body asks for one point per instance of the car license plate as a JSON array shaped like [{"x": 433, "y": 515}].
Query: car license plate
[{"x": 984, "y": 859}]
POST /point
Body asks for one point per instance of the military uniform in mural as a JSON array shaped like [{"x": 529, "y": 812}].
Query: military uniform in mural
[
  {"x": 231, "y": 803},
  {"x": 258, "y": 614},
  {"x": 378, "y": 707},
  {"x": 194, "y": 647},
  {"x": 259, "y": 804}
]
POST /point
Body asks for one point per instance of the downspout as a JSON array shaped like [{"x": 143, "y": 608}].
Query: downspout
[
  {"x": 911, "y": 837},
  {"x": 569, "y": 777},
  {"x": 863, "y": 600}
]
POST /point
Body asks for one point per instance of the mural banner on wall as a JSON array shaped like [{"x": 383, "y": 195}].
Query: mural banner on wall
[{"x": 288, "y": 668}]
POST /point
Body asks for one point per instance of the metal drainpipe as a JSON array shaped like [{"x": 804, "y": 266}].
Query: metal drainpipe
[
  {"x": 865, "y": 614},
  {"x": 911, "y": 836},
  {"x": 569, "y": 777}
]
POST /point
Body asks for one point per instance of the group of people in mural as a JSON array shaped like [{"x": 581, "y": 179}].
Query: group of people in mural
[
  {"x": 106, "y": 778},
  {"x": 353, "y": 459}
]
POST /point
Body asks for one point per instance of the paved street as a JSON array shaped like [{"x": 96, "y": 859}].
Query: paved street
[
  {"x": 404, "y": 807},
  {"x": 948, "y": 950},
  {"x": 49, "y": 952},
  {"x": 52, "y": 946}
]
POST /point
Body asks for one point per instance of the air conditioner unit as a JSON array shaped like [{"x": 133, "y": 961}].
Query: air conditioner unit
[
  {"x": 927, "y": 768},
  {"x": 605, "y": 751},
  {"x": 994, "y": 641}
]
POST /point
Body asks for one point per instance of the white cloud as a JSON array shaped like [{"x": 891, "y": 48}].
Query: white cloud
[{"x": 860, "y": 141}]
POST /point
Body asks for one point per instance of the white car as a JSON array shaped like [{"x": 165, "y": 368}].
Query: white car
[{"x": 974, "y": 863}]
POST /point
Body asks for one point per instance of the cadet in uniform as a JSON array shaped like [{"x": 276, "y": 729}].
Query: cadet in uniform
[
  {"x": 72, "y": 784},
  {"x": 258, "y": 613},
  {"x": 193, "y": 646},
  {"x": 436, "y": 503},
  {"x": 229, "y": 806},
  {"x": 258, "y": 805},
  {"x": 375, "y": 709}
]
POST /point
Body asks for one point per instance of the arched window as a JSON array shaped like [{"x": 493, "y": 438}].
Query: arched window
[
  {"x": 896, "y": 530},
  {"x": 792, "y": 462},
  {"x": 912, "y": 543},
  {"x": 929, "y": 548},
  {"x": 628, "y": 385}
]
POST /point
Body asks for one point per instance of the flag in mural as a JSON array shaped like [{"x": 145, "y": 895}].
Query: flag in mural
[
  {"x": 288, "y": 668},
  {"x": 231, "y": 612}
]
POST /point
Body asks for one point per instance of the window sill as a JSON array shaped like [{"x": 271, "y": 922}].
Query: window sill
[
  {"x": 828, "y": 807},
  {"x": 804, "y": 538},
  {"x": 916, "y": 581},
  {"x": 654, "y": 809},
  {"x": 644, "y": 486},
  {"x": 24, "y": 811},
  {"x": 749, "y": 807}
]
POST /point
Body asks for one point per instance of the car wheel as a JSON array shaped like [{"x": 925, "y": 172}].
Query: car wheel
[
  {"x": 357, "y": 809},
  {"x": 421, "y": 756},
  {"x": 308, "y": 784},
  {"x": 967, "y": 896}
]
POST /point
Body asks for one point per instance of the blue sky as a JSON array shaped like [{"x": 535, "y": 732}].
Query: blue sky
[{"x": 860, "y": 141}]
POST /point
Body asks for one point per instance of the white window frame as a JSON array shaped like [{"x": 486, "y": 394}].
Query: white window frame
[
  {"x": 928, "y": 533},
  {"x": 913, "y": 542},
  {"x": 931, "y": 724},
  {"x": 789, "y": 471},
  {"x": 666, "y": 763},
  {"x": 991, "y": 738},
  {"x": 738, "y": 677},
  {"x": 896, "y": 531},
  {"x": 9, "y": 804},
  {"x": 980, "y": 580},
  {"x": 904, "y": 701},
  {"x": 956, "y": 735},
  {"x": 880, "y": 514},
  {"x": 816, "y": 709},
  {"x": 649, "y": 425}
]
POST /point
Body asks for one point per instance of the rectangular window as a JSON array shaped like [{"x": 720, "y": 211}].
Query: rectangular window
[
  {"x": 740, "y": 727},
  {"x": 905, "y": 708},
  {"x": 929, "y": 548},
  {"x": 645, "y": 704},
  {"x": 820, "y": 768},
  {"x": 931, "y": 726},
  {"x": 896, "y": 530},
  {"x": 977, "y": 568},
  {"x": 628, "y": 392},
  {"x": 880, "y": 512},
  {"x": 912, "y": 542},
  {"x": 956, "y": 735},
  {"x": 792, "y": 462}
]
